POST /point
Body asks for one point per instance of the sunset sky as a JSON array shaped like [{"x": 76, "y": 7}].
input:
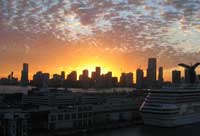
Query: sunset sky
[{"x": 118, "y": 35}]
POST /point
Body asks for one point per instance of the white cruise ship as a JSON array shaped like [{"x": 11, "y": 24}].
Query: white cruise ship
[{"x": 172, "y": 107}]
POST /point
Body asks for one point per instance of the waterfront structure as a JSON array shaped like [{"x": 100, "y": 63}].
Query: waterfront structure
[
  {"x": 24, "y": 75},
  {"x": 61, "y": 111},
  {"x": 50, "y": 97},
  {"x": 13, "y": 122},
  {"x": 71, "y": 117}
]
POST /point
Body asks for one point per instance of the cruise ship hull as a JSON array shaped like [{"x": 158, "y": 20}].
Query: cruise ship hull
[
  {"x": 171, "y": 122},
  {"x": 171, "y": 108}
]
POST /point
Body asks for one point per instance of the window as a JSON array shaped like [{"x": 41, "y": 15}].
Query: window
[
  {"x": 60, "y": 117},
  {"x": 80, "y": 115},
  {"x": 67, "y": 116},
  {"x": 74, "y": 116},
  {"x": 90, "y": 114},
  {"x": 53, "y": 118},
  {"x": 52, "y": 126},
  {"x": 80, "y": 108},
  {"x": 85, "y": 115}
]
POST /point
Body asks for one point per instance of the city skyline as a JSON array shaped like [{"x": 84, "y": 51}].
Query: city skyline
[
  {"x": 152, "y": 73},
  {"x": 166, "y": 72},
  {"x": 119, "y": 35}
]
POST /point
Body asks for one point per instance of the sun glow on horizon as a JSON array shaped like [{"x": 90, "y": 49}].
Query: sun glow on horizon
[{"x": 91, "y": 68}]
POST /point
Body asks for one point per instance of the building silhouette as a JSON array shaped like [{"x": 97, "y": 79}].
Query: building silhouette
[
  {"x": 84, "y": 79},
  {"x": 151, "y": 70},
  {"x": 37, "y": 79},
  {"x": 63, "y": 75},
  {"x": 126, "y": 79},
  {"x": 98, "y": 72},
  {"x": 71, "y": 81},
  {"x": 72, "y": 76},
  {"x": 139, "y": 78},
  {"x": 108, "y": 80},
  {"x": 160, "y": 75},
  {"x": 187, "y": 76},
  {"x": 45, "y": 80},
  {"x": 24, "y": 75},
  {"x": 176, "y": 77},
  {"x": 41, "y": 80},
  {"x": 85, "y": 74},
  {"x": 62, "y": 78}
]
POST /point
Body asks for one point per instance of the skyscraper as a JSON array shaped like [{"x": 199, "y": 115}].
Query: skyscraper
[
  {"x": 176, "y": 77},
  {"x": 85, "y": 74},
  {"x": 126, "y": 79},
  {"x": 72, "y": 76},
  {"x": 24, "y": 75},
  {"x": 139, "y": 78},
  {"x": 62, "y": 75},
  {"x": 151, "y": 71},
  {"x": 160, "y": 74},
  {"x": 84, "y": 79},
  {"x": 187, "y": 76},
  {"x": 98, "y": 72}
]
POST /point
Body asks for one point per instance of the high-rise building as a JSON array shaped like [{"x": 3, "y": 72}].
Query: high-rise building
[
  {"x": 126, "y": 79},
  {"x": 160, "y": 74},
  {"x": 62, "y": 75},
  {"x": 93, "y": 76},
  {"x": 56, "y": 77},
  {"x": 72, "y": 76},
  {"x": 37, "y": 79},
  {"x": 98, "y": 72},
  {"x": 129, "y": 79},
  {"x": 151, "y": 71},
  {"x": 187, "y": 76},
  {"x": 24, "y": 75},
  {"x": 176, "y": 77},
  {"x": 84, "y": 79},
  {"x": 45, "y": 78},
  {"x": 85, "y": 74},
  {"x": 109, "y": 74},
  {"x": 108, "y": 80},
  {"x": 139, "y": 78}
]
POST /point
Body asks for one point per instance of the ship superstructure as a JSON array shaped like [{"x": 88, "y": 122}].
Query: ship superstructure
[{"x": 172, "y": 107}]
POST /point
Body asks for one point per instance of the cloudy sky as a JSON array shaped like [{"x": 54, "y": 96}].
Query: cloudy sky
[{"x": 119, "y": 35}]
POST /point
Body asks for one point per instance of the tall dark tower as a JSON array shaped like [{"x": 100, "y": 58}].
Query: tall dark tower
[
  {"x": 160, "y": 74},
  {"x": 139, "y": 78},
  {"x": 151, "y": 71},
  {"x": 98, "y": 72},
  {"x": 62, "y": 75},
  {"x": 24, "y": 75},
  {"x": 187, "y": 76},
  {"x": 176, "y": 77}
]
